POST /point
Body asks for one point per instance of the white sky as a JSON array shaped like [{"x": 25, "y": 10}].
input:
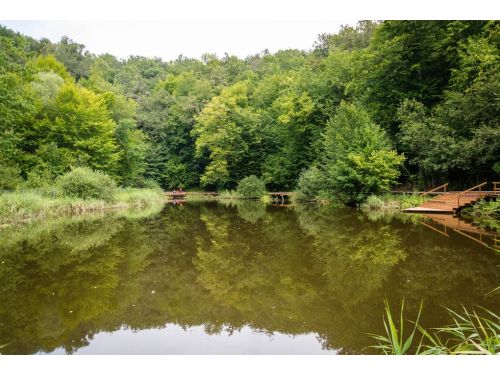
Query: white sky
[
  {"x": 193, "y": 27},
  {"x": 169, "y": 39}
]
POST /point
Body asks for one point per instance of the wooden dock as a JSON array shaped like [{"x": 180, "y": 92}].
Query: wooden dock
[
  {"x": 183, "y": 194},
  {"x": 281, "y": 196},
  {"x": 453, "y": 201}
]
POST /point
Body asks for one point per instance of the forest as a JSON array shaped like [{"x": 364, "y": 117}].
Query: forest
[{"x": 376, "y": 105}]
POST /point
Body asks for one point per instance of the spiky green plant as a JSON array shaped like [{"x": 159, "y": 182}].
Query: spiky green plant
[
  {"x": 469, "y": 333},
  {"x": 394, "y": 341}
]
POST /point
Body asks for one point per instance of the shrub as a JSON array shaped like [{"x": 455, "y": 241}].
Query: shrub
[
  {"x": 41, "y": 178},
  {"x": 357, "y": 157},
  {"x": 147, "y": 183},
  {"x": 86, "y": 183},
  {"x": 373, "y": 202},
  {"x": 9, "y": 178},
  {"x": 392, "y": 201},
  {"x": 485, "y": 214},
  {"x": 251, "y": 187},
  {"x": 309, "y": 184}
]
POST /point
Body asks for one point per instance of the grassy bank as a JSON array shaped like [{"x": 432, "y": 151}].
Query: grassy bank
[
  {"x": 485, "y": 214},
  {"x": 392, "y": 202},
  {"x": 30, "y": 205}
]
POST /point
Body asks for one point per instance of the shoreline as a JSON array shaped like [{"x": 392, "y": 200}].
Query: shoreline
[{"x": 17, "y": 208}]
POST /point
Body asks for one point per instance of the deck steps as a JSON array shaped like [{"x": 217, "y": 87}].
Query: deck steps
[{"x": 449, "y": 202}]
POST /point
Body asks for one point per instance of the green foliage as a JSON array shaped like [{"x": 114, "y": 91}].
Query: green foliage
[
  {"x": 393, "y": 201},
  {"x": 49, "y": 64},
  {"x": 394, "y": 341},
  {"x": 38, "y": 204},
  {"x": 228, "y": 194},
  {"x": 411, "y": 60},
  {"x": 485, "y": 214},
  {"x": 213, "y": 121},
  {"x": 358, "y": 160},
  {"x": 72, "y": 55},
  {"x": 133, "y": 147},
  {"x": 147, "y": 183},
  {"x": 139, "y": 197},
  {"x": 310, "y": 184},
  {"x": 86, "y": 183},
  {"x": 42, "y": 178},
  {"x": 373, "y": 202},
  {"x": 80, "y": 125},
  {"x": 30, "y": 205},
  {"x": 469, "y": 333},
  {"x": 348, "y": 38},
  {"x": 46, "y": 86},
  {"x": 221, "y": 131},
  {"x": 251, "y": 187},
  {"x": 9, "y": 177}
]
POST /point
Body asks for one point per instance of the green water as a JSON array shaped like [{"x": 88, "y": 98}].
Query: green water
[{"x": 229, "y": 278}]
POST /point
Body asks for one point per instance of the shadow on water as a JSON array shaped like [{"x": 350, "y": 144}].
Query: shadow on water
[{"x": 229, "y": 267}]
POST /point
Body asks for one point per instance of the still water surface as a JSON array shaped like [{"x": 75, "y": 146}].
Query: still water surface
[{"x": 233, "y": 278}]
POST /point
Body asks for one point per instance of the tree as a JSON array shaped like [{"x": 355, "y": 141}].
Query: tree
[
  {"x": 410, "y": 60},
  {"x": 220, "y": 132},
  {"x": 73, "y": 55},
  {"x": 348, "y": 38},
  {"x": 79, "y": 123},
  {"x": 358, "y": 160},
  {"x": 133, "y": 146},
  {"x": 430, "y": 147}
]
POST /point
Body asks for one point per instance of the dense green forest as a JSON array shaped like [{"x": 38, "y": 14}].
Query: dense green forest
[{"x": 375, "y": 105}]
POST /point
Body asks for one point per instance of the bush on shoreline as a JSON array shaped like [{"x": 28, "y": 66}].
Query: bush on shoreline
[
  {"x": 79, "y": 191},
  {"x": 86, "y": 183},
  {"x": 251, "y": 187}
]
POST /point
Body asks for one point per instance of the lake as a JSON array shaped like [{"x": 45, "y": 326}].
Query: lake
[{"x": 236, "y": 277}]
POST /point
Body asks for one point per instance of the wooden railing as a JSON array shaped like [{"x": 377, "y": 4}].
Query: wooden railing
[
  {"x": 496, "y": 187},
  {"x": 444, "y": 186},
  {"x": 478, "y": 186}
]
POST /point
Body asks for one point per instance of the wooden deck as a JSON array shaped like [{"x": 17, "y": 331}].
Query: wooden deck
[
  {"x": 453, "y": 201},
  {"x": 183, "y": 194},
  {"x": 281, "y": 196}
]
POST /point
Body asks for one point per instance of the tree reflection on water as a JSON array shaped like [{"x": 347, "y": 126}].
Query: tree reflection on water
[{"x": 294, "y": 270}]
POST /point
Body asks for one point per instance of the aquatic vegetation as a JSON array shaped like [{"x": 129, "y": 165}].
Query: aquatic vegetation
[
  {"x": 394, "y": 340},
  {"x": 469, "y": 333},
  {"x": 229, "y": 194},
  {"x": 25, "y": 206},
  {"x": 392, "y": 201}
]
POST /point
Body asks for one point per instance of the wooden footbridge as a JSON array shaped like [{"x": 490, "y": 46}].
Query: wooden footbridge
[
  {"x": 281, "y": 196},
  {"x": 453, "y": 201},
  {"x": 183, "y": 194}
]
